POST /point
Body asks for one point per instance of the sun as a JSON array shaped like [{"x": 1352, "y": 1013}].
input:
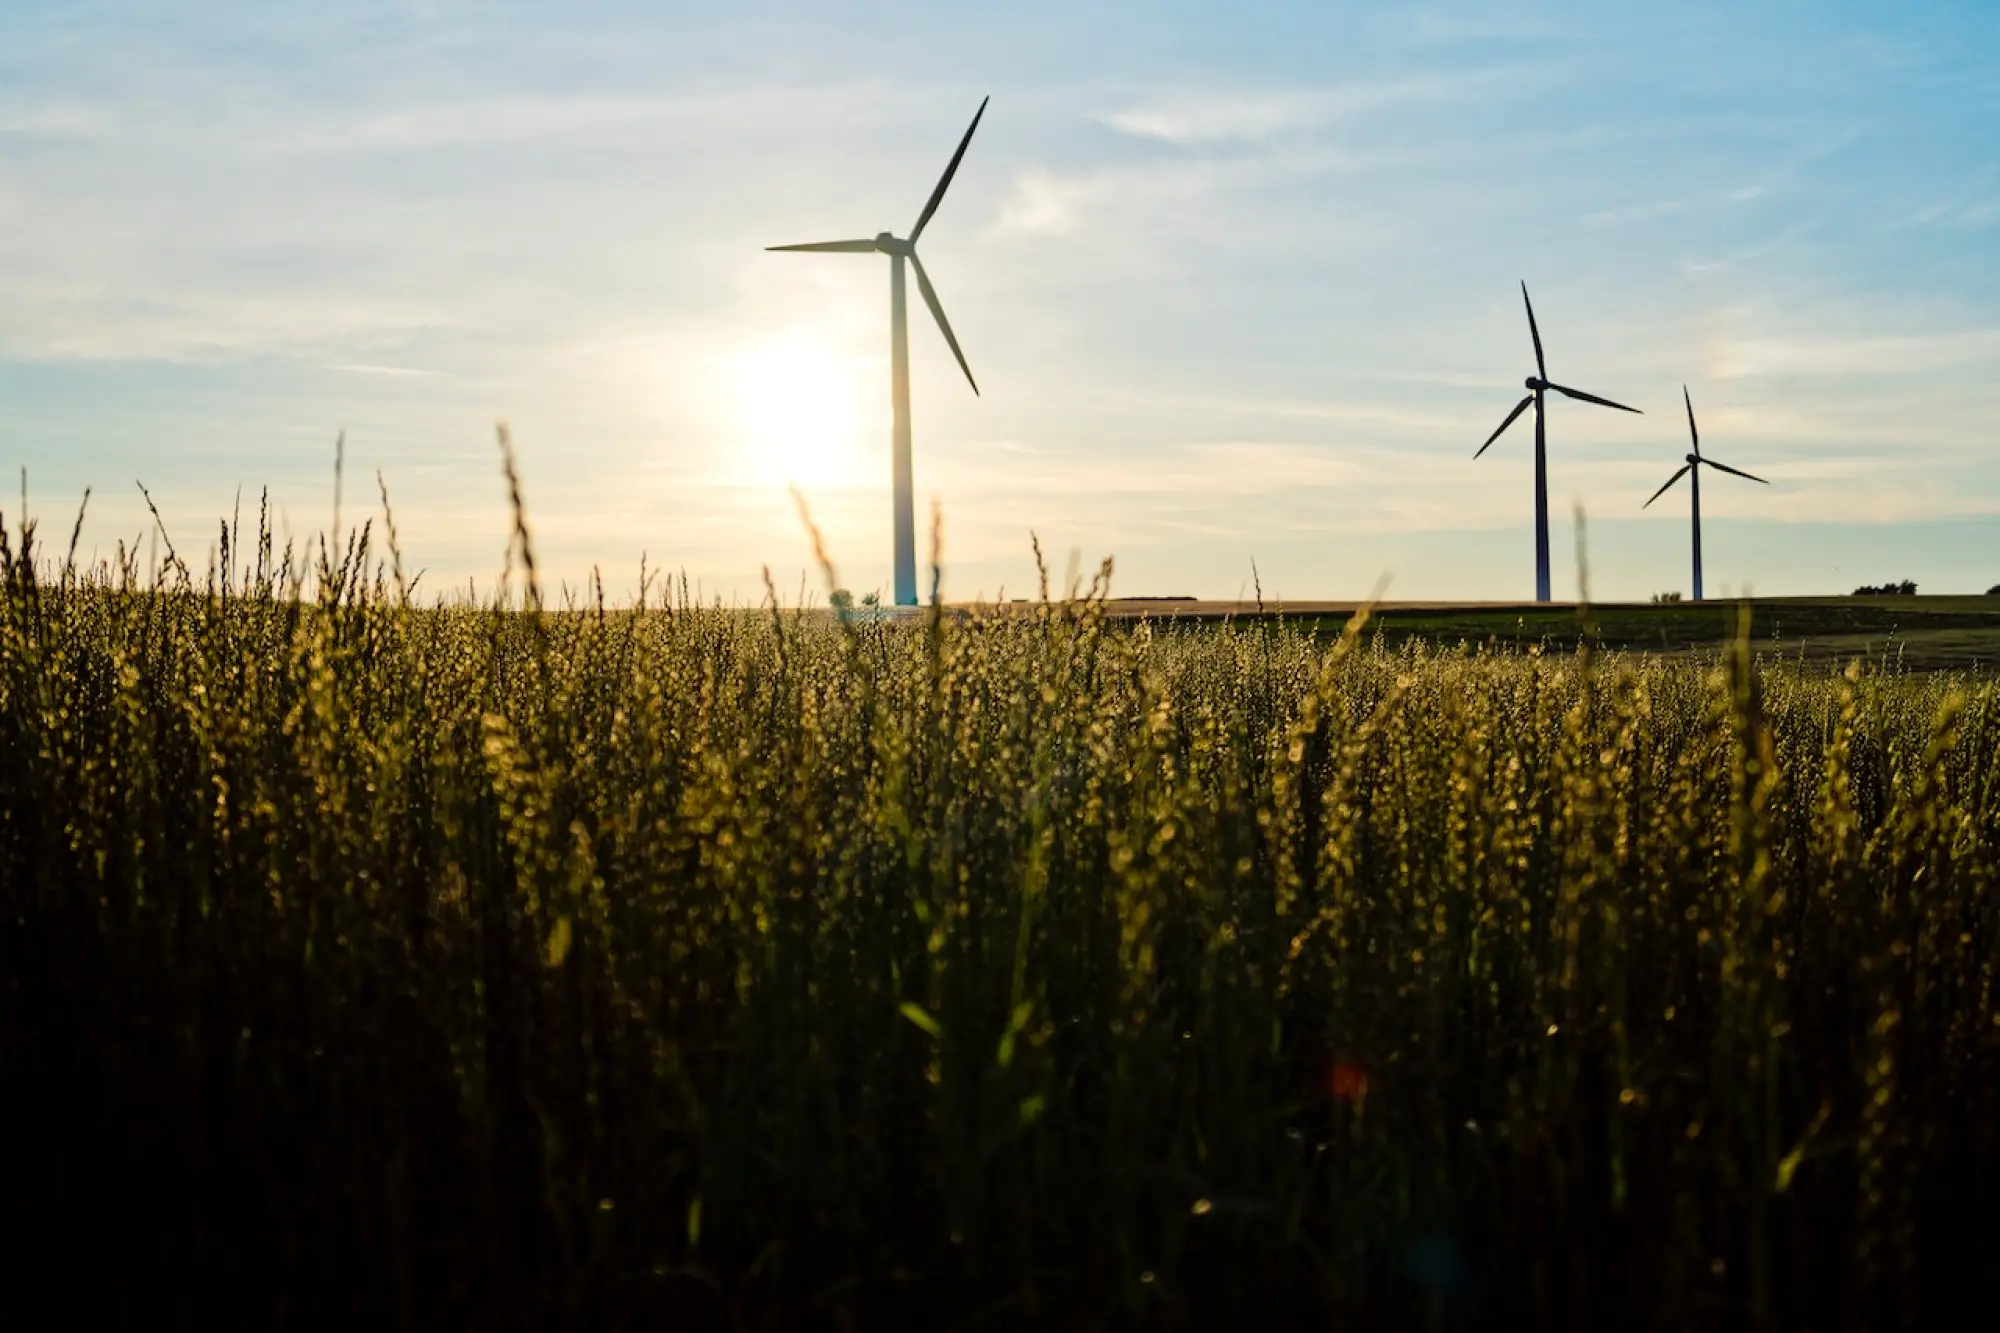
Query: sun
[{"x": 797, "y": 412}]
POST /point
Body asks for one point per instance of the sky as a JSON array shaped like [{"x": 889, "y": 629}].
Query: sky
[{"x": 1240, "y": 284}]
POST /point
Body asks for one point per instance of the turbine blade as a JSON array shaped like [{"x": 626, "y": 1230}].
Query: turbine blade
[
  {"x": 944, "y": 325},
  {"x": 944, "y": 181},
  {"x": 1519, "y": 408},
  {"x": 832, "y": 247},
  {"x": 1724, "y": 467},
  {"x": 1693, "y": 434},
  {"x": 1541, "y": 366},
  {"x": 1685, "y": 469},
  {"x": 1583, "y": 397}
]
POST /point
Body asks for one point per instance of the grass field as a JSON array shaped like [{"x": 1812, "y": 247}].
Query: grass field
[
  {"x": 473, "y": 968},
  {"x": 1909, "y": 633}
]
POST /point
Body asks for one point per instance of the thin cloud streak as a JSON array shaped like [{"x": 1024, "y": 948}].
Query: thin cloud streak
[
  {"x": 1206, "y": 118},
  {"x": 392, "y": 372},
  {"x": 1907, "y": 355}
]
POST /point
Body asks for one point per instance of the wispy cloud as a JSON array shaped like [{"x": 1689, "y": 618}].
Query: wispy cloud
[
  {"x": 1974, "y": 205},
  {"x": 1222, "y": 118},
  {"x": 1718, "y": 264},
  {"x": 1348, "y": 412},
  {"x": 1907, "y": 355},
  {"x": 1040, "y": 203},
  {"x": 1138, "y": 207},
  {"x": 588, "y": 118},
  {"x": 55, "y": 119},
  {"x": 1653, "y": 209},
  {"x": 1196, "y": 118},
  {"x": 393, "y": 372}
]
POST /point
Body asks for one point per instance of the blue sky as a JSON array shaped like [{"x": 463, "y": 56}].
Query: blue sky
[{"x": 1239, "y": 283}]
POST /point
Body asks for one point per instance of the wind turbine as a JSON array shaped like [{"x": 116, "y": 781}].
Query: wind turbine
[
  {"x": 1538, "y": 384},
  {"x": 1692, "y": 471},
  {"x": 899, "y": 250}
]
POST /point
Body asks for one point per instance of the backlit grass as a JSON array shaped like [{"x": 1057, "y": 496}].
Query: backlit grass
[{"x": 369, "y": 965}]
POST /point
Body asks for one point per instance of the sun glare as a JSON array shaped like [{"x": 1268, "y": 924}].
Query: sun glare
[{"x": 797, "y": 409}]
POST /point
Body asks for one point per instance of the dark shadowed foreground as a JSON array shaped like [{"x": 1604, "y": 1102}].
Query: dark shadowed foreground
[{"x": 373, "y": 967}]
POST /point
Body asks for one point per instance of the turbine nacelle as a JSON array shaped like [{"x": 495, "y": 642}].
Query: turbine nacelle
[
  {"x": 1692, "y": 460},
  {"x": 891, "y": 245},
  {"x": 1535, "y": 384}
]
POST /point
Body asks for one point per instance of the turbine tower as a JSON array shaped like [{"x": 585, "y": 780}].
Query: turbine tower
[
  {"x": 1538, "y": 384},
  {"x": 1692, "y": 471},
  {"x": 898, "y": 251}
]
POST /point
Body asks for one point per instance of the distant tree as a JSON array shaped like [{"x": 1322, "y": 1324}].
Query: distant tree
[
  {"x": 1993, "y": 591},
  {"x": 1907, "y": 588},
  {"x": 1659, "y": 598}
]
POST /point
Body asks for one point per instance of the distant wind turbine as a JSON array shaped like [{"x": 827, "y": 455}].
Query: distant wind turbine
[
  {"x": 1537, "y": 384},
  {"x": 899, "y": 344},
  {"x": 1692, "y": 471}
]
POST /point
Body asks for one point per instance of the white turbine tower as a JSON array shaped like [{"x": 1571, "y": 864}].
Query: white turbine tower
[{"x": 898, "y": 251}]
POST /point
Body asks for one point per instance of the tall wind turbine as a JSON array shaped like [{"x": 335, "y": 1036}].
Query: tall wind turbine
[
  {"x": 1692, "y": 471},
  {"x": 1538, "y": 384},
  {"x": 899, "y": 250}
]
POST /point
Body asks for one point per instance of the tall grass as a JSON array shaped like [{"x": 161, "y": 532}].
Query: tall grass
[{"x": 365, "y": 964}]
